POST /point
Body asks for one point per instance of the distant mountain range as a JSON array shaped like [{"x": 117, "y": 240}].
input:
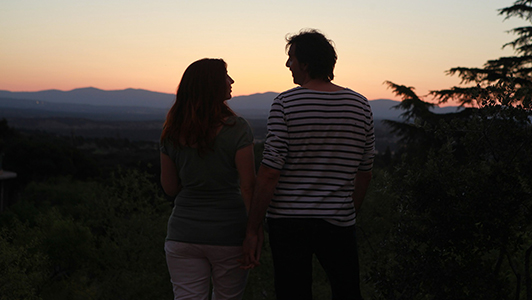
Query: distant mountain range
[
  {"x": 138, "y": 115},
  {"x": 97, "y": 97},
  {"x": 141, "y": 105}
]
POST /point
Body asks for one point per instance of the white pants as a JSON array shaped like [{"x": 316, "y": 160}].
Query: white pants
[{"x": 192, "y": 266}]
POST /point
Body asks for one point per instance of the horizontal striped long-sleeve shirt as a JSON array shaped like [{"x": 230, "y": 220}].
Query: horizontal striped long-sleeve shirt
[{"x": 319, "y": 141}]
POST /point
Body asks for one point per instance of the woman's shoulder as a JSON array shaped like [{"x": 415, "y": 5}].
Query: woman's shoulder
[
  {"x": 168, "y": 147},
  {"x": 238, "y": 127},
  {"x": 237, "y": 121}
]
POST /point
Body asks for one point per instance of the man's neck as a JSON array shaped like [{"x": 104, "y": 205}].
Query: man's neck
[{"x": 321, "y": 85}]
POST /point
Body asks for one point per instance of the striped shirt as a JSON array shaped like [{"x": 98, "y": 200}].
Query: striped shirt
[{"x": 318, "y": 140}]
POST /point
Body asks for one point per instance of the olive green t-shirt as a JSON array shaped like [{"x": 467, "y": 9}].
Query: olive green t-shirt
[{"x": 209, "y": 209}]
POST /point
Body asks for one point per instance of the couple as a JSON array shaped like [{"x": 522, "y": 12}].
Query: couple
[{"x": 315, "y": 171}]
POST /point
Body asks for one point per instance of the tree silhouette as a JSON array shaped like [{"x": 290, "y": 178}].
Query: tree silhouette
[
  {"x": 415, "y": 131},
  {"x": 498, "y": 76},
  {"x": 463, "y": 190},
  {"x": 463, "y": 195}
]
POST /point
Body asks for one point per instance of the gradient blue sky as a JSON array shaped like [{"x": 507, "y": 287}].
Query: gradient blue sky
[{"x": 118, "y": 44}]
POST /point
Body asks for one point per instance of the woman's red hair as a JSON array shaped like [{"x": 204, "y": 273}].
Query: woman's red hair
[{"x": 200, "y": 107}]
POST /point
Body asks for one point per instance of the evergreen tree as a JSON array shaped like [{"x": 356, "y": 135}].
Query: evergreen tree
[
  {"x": 463, "y": 198},
  {"x": 498, "y": 76},
  {"x": 463, "y": 192}
]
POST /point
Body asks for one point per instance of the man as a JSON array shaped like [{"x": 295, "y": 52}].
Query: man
[{"x": 315, "y": 171}]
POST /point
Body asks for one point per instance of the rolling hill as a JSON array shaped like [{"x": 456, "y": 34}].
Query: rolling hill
[
  {"x": 141, "y": 105},
  {"x": 139, "y": 114}
]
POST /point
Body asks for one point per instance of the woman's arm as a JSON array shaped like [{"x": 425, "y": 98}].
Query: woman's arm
[
  {"x": 245, "y": 164},
  {"x": 170, "y": 180}
]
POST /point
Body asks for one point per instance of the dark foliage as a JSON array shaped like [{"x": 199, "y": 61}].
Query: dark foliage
[
  {"x": 462, "y": 188},
  {"x": 67, "y": 239},
  {"x": 463, "y": 197}
]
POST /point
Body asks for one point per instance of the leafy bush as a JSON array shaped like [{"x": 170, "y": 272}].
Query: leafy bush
[{"x": 66, "y": 239}]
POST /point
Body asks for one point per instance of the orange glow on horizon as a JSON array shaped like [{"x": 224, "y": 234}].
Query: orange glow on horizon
[{"x": 147, "y": 45}]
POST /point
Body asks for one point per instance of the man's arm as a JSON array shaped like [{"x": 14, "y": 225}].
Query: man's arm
[
  {"x": 362, "y": 181},
  {"x": 267, "y": 179}
]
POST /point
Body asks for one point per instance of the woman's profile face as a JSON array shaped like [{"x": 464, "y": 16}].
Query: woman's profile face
[{"x": 229, "y": 81}]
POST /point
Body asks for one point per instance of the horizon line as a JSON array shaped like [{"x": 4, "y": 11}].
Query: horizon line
[{"x": 151, "y": 91}]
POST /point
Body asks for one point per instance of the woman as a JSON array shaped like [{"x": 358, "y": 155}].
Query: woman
[{"x": 207, "y": 163}]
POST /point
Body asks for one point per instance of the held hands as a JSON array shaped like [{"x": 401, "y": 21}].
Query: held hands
[{"x": 252, "y": 248}]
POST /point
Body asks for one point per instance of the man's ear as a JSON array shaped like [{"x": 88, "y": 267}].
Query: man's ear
[{"x": 304, "y": 67}]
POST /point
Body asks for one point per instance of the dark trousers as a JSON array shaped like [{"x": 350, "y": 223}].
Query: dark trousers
[{"x": 295, "y": 241}]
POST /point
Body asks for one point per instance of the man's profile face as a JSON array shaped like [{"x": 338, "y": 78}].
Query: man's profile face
[{"x": 293, "y": 64}]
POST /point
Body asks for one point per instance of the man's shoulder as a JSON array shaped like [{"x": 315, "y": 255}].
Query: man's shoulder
[
  {"x": 300, "y": 91},
  {"x": 293, "y": 91},
  {"x": 354, "y": 94}
]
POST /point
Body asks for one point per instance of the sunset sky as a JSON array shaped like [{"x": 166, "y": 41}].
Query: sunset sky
[{"x": 118, "y": 44}]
